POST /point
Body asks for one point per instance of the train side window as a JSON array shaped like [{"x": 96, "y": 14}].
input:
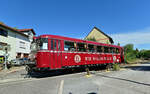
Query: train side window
[
  {"x": 106, "y": 50},
  {"x": 55, "y": 45},
  {"x": 81, "y": 47},
  {"x": 99, "y": 49},
  {"x": 59, "y": 45},
  {"x": 114, "y": 50},
  {"x": 69, "y": 46},
  {"x": 91, "y": 48},
  {"x": 111, "y": 50},
  {"x": 52, "y": 45},
  {"x": 103, "y": 49},
  {"x": 117, "y": 50}
]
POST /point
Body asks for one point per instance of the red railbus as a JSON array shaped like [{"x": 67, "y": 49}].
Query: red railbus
[{"x": 58, "y": 52}]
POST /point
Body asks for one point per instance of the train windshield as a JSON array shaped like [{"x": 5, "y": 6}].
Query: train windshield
[{"x": 43, "y": 44}]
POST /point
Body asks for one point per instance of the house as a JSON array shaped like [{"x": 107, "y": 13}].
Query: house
[
  {"x": 99, "y": 36},
  {"x": 29, "y": 32},
  {"x": 18, "y": 40}
]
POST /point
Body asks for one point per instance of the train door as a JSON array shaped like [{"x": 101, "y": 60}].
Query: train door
[
  {"x": 59, "y": 54},
  {"x": 55, "y": 54}
]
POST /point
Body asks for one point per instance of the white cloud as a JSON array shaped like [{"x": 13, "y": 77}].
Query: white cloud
[{"x": 137, "y": 37}]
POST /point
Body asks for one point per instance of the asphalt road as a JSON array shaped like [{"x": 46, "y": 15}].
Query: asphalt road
[{"x": 131, "y": 80}]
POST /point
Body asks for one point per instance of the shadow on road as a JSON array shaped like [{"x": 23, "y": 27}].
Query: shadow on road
[
  {"x": 142, "y": 67},
  {"x": 92, "y": 93},
  {"x": 123, "y": 79},
  {"x": 87, "y": 93},
  {"x": 52, "y": 73}
]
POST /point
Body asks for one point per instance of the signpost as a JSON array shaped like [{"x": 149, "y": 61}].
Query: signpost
[{"x": 6, "y": 49}]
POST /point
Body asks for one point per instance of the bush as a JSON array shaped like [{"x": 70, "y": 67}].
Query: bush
[
  {"x": 130, "y": 54},
  {"x": 144, "y": 54},
  {"x": 116, "y": 67}
]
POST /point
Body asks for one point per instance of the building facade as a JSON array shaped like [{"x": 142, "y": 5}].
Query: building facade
[
  {"x": 99, "y": 36},
  {"x": 17, "y": 41}
]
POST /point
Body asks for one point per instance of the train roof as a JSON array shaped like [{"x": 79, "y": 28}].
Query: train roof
[{"x": 75, "y": 40}]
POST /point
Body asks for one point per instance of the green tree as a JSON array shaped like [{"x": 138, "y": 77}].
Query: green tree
[
  {"x": 137, "y": 50},
  {"x": 137, "y": 53},
  {"x": 128, "y": 48},
  {"x": 145, "y": 54},
  {"x": 130, "y": 53},
  {"x": 141, "y": 53}
]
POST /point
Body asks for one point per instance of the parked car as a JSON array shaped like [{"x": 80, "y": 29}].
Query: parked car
[
  {"x": 19, "y": 62},
  {"x": 25, "y": 60}
]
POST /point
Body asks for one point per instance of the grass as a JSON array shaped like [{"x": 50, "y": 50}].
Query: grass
[{"x": 133, "y": 61}]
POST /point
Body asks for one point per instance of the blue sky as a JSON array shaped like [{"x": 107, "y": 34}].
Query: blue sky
[{"x": 126, "y": 21}]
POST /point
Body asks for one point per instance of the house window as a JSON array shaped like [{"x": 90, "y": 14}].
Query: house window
[
  {"x": 29, "y": 33},
  {"x": 22, "y": 45},
  {"x": 2, "y": 45},
  {"x": 3, "y": 32},
  {"x": 18, "y": 55}
]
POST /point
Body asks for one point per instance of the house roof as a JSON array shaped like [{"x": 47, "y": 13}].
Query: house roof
[
  {"x": 17, "y": 30},
  {"x": 26, "y": 30},
  {"x": 111, "y": 40}
]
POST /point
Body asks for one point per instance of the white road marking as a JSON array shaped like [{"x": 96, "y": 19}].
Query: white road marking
[{"x": 60, "y": 91}]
